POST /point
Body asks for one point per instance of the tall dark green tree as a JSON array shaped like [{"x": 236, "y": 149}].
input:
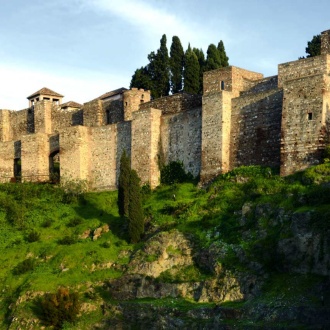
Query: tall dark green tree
[
  {"x": 160, "y": 70},
  {"x": 191, "y": 72},
  {"x": 141, "y": 79},
  {"x": 123, "y": 185},
  {"x": 213, "y": 60},
  {"x": 223, "y": 56},
  {"x": 314, "y": 46},
  {"x": 135, "y": 210},
  {"x": 176, "y": 65},
  {"x": 201, "y": 60}
]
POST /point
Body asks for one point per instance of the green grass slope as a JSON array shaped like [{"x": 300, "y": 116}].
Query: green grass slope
[{"x": 42, "y": 248}]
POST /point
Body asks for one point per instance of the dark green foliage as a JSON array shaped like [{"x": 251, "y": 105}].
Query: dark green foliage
[
  {"x": 123, "y": 185},
  {"x": 15, "y": 211},
  {"x": 191, "y": 72},
  {"x": 105, "y": 245},
  {"x": 24, "y": 266},
  {"x": 67, "y": 240},
  {"x": 164, "y": 73},
  {"x": 47, "y": 223},
  {"x": 159, "y": 70},
  {"x": 57, "y": 308},
  {"x": 201, "y": 61},
  {"x": 223, "y": 56},
  {"x": 176, "y": 65},
  {"x": 174, "y": 173},
  {"x": 135, "y": 210},
  {"x": 314, "y": 46},
  {"x": 74, "y": 222},
  {"x": 141, "y": 79},
  {"x": 213, "y": 60},
  {"x": 33, "y": 236}
]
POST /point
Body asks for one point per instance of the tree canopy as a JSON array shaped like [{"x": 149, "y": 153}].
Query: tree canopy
[
  {"x": 130, "y": 200},
  {"x": 177, "y": 72},
  {"x": 176, "y": 65},
  {"x": 191, "y": 73},
  {"x": 313, "y": 47}
]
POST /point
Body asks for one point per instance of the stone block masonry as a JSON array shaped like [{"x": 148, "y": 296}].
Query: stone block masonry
[{"x": 242, "y": 118}]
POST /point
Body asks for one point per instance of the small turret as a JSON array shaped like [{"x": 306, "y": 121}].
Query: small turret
[
  {"x": 132, "y": 100},
  {"x": 45, "y": 94}
]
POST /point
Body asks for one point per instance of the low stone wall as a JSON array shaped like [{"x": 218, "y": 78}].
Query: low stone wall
[{"x": 174, "y": 103}]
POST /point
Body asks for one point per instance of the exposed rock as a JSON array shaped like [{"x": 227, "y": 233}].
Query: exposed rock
[
  {"x": 138, "y": 286},
  {"x": 85, "y": 234},
  {"x": 161, "y": 252},
  {"x": 99, "y": 231},
  {"x": 307, "y": 250}
]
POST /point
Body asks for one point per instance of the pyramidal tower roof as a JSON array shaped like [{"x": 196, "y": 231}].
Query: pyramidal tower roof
[{"x": 44, "y": 91}]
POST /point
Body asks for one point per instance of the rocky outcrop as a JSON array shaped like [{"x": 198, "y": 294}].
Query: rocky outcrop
[
  {"x": 308, "y": 250},
  {"x": 172, "y": 252},
  {"x": 160, "y": 253}
]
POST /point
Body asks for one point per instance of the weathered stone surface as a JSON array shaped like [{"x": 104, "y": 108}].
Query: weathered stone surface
[{"x": 241, "y": 119}]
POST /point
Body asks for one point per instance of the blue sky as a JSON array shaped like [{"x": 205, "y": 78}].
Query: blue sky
[{"x": 84, "y": 48}]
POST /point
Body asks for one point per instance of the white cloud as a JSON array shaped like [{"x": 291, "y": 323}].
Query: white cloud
[
  {"x": 154, "y": 21},
  {"x": 81, "y": 87}
]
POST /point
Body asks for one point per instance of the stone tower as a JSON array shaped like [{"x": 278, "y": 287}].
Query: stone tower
[
  {"x": 306, "y": 107},
  {"x": 220, "y": 87}
]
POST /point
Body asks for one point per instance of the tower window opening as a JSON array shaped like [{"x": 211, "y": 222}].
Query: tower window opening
[
  {"x": 310, "y": 116},
  {"x": 222, "y": 85},
  {"x": 108, "y": 117}
]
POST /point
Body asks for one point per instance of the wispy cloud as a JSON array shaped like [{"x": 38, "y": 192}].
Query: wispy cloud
[{"x": 155, "y": 20}]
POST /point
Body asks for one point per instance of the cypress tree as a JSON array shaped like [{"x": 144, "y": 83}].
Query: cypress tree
[
  {"x": 223, "y": 56},
  {"x": 213, "y": 60},
  {"x": 191, "y": 72},
  {"x": 201, "y": 60},
  {"x": 160, "y": 71},
  {"x": 135, "y": 211},
  {"x": 176, "y": 65},
  {"x": 123, "y": 185}
]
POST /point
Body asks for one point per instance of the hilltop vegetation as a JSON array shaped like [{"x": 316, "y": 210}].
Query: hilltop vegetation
[{"x": 250, "y": 241}]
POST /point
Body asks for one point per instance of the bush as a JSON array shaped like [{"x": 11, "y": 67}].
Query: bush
[
  {"x": 174, "y": 173},
  {"x": 60, "y": 307},
  {"x": 74, "y": 222},
  {"x": 33, "y": 236},
  {"x": 105, "y": 245},
  {"x": 47, "y": 223},
  {"x": 67, "y": 240},
  {"x": 24, "y": 266}
]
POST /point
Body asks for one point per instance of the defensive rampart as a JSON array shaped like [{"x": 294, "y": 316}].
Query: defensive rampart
[{"x": 242, "y": 118}]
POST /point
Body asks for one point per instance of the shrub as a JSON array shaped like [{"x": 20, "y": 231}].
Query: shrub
[
  {"x": 33, "y": 236},
  {"x": 174, "y": 173},
  {"x": 60, "y": 307},
  {"x": 74, "y": 222},
  {"x": 67, "y": 240},
  {"x": 24, "y": 266},
  {"x": 73, "y": 190},
  {"x": 105, "y": 245},
  {"x": 47, "y": 223}
]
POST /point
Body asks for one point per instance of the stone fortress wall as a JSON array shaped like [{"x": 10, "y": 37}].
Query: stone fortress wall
[{"x": 242, "y": 118}]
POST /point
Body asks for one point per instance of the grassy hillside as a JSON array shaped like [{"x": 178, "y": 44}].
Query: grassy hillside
[{"x": 46, "y": 236}]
